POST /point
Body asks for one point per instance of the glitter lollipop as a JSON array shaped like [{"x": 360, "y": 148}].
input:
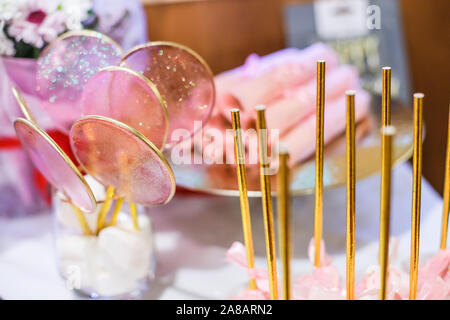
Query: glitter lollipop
[
  {"x": 122, "y": 158},
  {"x": 182, "y": 77},
  {"x": 65, "y": 66},
  {"x": 54, "y": 163},
  {"x": 129, "y": 97}
]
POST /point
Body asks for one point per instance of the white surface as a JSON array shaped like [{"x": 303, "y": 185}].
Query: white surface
[{"x": 194, "y": 232}]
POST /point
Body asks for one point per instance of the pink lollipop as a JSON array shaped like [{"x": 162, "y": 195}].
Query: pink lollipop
[
  {"x": 126, "y": 96},
  {"x": 182, "y": 77},
  {"x": 66, "y": 65},
  {"x": 119, "y": 156},
  {"x": 54, "y": 164}
]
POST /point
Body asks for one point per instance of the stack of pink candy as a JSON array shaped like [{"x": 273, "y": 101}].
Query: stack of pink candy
[
  {"x": 324, "y": 283},
  {"x": 285, "y": 82}
]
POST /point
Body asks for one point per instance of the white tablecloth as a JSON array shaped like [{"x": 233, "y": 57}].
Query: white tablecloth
[{"x": 194, "y": 232}]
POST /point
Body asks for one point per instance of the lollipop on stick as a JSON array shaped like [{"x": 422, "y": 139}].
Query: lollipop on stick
[
  {"x": 242, "y": 182},
  {"x": 417, "y": 176},
  {"x": 267, "y": 201},
  {"x": 446, "y": 205},
  {"x": 284, "y": 220},
  {"x": 123, "y": 94},
  {"x": 319, "y": 160},
  {"x": 65, "y": 66},
  {"x": 350, "y": 159},
  {"x": 182, "y": 77},
  {"x": 149, "y": 180},
  {"x": 54, "y": 163}
]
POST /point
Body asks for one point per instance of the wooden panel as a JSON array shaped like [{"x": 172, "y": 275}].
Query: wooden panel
[
  {"x": 224, "y": 32},
  {"x": 427, "y": 31}
]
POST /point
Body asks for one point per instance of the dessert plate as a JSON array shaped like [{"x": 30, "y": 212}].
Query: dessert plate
[{"x": 220, "y": 179}]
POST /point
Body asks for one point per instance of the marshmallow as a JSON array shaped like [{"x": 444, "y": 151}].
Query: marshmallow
[
  {"x": 67, "y": 217},
  {"x": 97, "y": 188},
  {"x": 111, "y": 264},
  {"x": 129, "y": 251}
]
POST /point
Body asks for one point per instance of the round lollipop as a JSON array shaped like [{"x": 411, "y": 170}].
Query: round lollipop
[
  {"x": 182, "y": 77},
  {"x": 65, "y": 66},
  {"x": 54, "y": 164},
  {"x": 119, "y": 156},
  {"x": 128, "y": 97}
]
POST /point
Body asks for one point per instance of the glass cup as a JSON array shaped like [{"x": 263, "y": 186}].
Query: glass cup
[{"x": 116, "y": 262}]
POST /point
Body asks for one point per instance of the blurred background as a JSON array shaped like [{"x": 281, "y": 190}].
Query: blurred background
[{"x": 225, "y": 32}]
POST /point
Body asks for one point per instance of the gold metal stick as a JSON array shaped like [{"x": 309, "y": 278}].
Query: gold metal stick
[
  {"x": 81, "y": 218},
  {"x": 105, "y": 208},
  {"x": 320, "y": 101},
  {"x": 243, "y": 195},
  {"x": 284, "y": 221},
  {"x": 134, "y": 215},
  {"x": 386, "y": 97},
  {"x": 385, "y": 206},
  {"x": 446, "y": 205},
  {"x": 23, "y": 105},
  {"x": 416, "y": 192},
  {"x": 116, "y": 211},
  {"x": 350, "y": 160},
  {"x": 267, "y": 201}
]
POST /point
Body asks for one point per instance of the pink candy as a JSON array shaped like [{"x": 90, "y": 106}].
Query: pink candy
[{"x": 324, "y": 283}]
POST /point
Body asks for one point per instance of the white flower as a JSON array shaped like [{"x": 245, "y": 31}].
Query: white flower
[
  {"x": 6, "y": 45},
  {"x": 38, "y": 21},
  {"x": 9, "y": 9},
  {"x": 76, "y": 12}
]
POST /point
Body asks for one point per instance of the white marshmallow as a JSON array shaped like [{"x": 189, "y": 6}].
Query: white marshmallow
[
  {"x": 111, "y": 264},
  {"x": 97, "y": 188},
  {"x": 68, "y": 218},
  {"x": 110, "y": 284},
  {"x": 130, "y": 251},
  {"x": 75, "y": 253}
]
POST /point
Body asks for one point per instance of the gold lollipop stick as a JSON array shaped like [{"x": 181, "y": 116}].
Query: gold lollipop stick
[
  {"x": 446, "y": 205},
  {"x": 134, "y": 215},
  {"x": 243, "y": 196},
  {"x": 385, "y": 206},
  {"x": 350, "y": 160},
  {"x": 23, "y": 105},
  {"x": 320, "y": 100},
  {"x": 81, "y": 218},
  {"x": 284, "y": 221},
  {"x": 417, "y": 177},
  {"x": 267, "y": 201},
  {"x": 386, "y": 97},
  {"x": 105, "y": 208},
  {"x": 116, "y": 211}
]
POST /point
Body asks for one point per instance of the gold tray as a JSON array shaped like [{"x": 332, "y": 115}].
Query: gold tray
[{"x": 221, "y": 179}]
